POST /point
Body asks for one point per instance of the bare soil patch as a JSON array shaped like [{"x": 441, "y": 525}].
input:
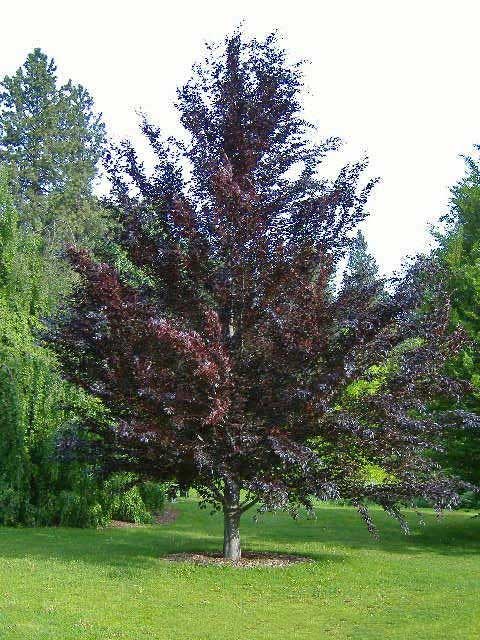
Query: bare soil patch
[{"x": 248, "y": 560}]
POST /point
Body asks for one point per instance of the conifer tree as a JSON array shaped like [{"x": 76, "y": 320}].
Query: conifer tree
[
  {"x": 459, "y": 252},
  {"x": 362, "y": 269},
  {"x": 51, "y": 140}
]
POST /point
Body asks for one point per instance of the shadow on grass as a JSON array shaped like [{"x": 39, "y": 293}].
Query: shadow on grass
[
  {"x": 136, "y": 549},
  {"x": 454, "y": 533},
  {"x": 335, "y": 529}
]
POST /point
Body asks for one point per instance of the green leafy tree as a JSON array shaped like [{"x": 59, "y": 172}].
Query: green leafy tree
[
  {"x": 459, "y": 252},
  {"x": 38, "y": 485},
  {"x": 28, "y": 384},
  {"x": 52, "y": 139}
]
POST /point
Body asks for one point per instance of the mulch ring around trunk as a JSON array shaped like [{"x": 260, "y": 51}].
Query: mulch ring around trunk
[
  {"x": 167, "y": 516},
  {"x": 248, "y": 560}
]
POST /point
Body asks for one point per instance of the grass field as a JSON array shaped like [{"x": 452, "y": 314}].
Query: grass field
[{"x": 112, "y": 584}]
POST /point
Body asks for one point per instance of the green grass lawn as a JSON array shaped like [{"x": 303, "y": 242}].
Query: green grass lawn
[{"x": 113, "y": 583}]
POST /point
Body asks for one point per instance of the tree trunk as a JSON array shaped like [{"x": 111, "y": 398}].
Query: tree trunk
[{"x": 231, "y": 514}]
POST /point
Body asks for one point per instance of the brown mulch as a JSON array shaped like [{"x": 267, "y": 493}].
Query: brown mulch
[
  {"x": 167, "y": 516},
  {"x": 248, "y": 560}
]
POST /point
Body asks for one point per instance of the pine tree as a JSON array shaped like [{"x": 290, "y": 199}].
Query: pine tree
[
  {"x": 459, "y": 252},
  {"x": 51, "y": 139},
  {"x": 221, "y": 353},
  {"x": 362, "y": 269}
]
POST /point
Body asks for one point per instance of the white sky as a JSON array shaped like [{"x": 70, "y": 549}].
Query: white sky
[{"x": 397, "y": 79}]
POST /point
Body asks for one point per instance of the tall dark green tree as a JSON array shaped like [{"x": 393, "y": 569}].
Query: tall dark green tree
[
  {"x": 459, "y": 252},
  {"x": 51, "y": 139},
  {"x": 362, "y": 268},
  {"x": 50, "y": 144}
]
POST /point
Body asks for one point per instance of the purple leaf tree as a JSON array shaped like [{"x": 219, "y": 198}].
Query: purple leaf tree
[{"x": 229, "y": 360}]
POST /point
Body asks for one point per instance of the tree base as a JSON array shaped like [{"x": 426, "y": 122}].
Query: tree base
[{"x": 248, "y": 560}]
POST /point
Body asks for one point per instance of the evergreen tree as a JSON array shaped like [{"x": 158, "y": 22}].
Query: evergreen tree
[
  {"x": 51, "y": 139},
  {"x": 459, "y": 252},
  {"x": 50, "y": 143},
  {"x": 362, "y": 269}
]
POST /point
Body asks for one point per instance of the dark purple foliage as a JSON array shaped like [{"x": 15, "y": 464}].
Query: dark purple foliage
[{"x": 226, "y": 357}]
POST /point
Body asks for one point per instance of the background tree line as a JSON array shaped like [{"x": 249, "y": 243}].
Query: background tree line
[{"x": 51, "y": 141}]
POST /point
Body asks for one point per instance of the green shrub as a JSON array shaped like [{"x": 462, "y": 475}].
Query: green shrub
[
  {"x": 78, "y": 511},
  {"x": 123, "y": 500},
  {"x": 13, "y": 506},
  {"x": 153, "y": 495},
  {"x": 470, "y": 500}
]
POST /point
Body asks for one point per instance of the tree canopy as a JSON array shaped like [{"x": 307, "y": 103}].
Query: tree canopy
[
  {"x": 217, "y": 344},
  {"x": 51, "y": 139},
  {"x": 459, "y": 252},
  {"x": 362, "y": 268}
]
